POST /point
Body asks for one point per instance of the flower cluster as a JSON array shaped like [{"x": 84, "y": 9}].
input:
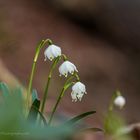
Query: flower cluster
[{"x": 67, "y": 67}]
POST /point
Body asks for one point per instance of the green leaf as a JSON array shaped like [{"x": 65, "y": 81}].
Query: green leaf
[
  {"x": 113, "y": 122},
  {"x": 34, "y": 111},
  {"x": 34, "y": 95},
  {"x": 42, "y": 117},
  {"x": 86, "y": 130},
  {"x": 32, "y": 117},
  {"x": 79, "y": 117},
  {"x": 5, "y": 90},
  {"x": 92, "y": 130}
]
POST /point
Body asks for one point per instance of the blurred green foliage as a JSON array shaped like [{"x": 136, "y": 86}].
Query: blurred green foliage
[{"x": 14, "y": 124}]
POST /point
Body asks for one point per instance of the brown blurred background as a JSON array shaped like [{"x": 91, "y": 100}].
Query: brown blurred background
[{"x": 100, "y": 37}]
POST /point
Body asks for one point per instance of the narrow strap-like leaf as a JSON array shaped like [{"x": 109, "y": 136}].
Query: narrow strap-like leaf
[
  {"x": 92, "y": 130},
  {"x": 34, "y": 111},
  {"x": 34, "y": 95},
  {"x": 32, "y": 117},
  {"x": 42, "y": 117},
  {"x": 5, "y": 90},
  {"x": 79, "y": 117},
  {"x": 86, "y": 130}
]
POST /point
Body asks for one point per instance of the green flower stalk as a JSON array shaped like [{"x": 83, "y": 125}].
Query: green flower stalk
[
  {"x": 117, "y": 100},
  {"x": 78, "y": 90},
  {"x": 53, "y": 53},
  {"x": 55, "y": 62},
  {"x": 38, "y": 49},
  {"x": 66, "y": 86}
]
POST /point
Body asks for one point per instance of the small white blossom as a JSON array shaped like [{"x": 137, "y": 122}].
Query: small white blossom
[
  {"x": 67, "y": 67},
  {"x": 52, "y": 52},
  {"x": 78, "y": 91},
  {"x": 120, "y": 101}
]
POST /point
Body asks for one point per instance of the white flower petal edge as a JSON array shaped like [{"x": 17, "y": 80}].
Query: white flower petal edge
[
  {"x": 67, "y": 67},
  {"x": 52, "y": 52},
  {"x": 78, "y": 91},
  {"x": 120, "y": 101}
]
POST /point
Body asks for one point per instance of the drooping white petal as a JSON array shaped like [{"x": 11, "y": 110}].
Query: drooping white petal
[
  {"x": 52, "y": 52},
  {"x": 80, "y": 96},
  {"x": 78, "y": 91},
  {"x": 56, "y": 51},
  {"x": 63, "y": 70},
  {"x": 48, "y": 54},
  {"x": 67, "y": 67},
  {"x": 74, "y": 97},
  {"x": 79, "y": 87},
  {"x": 120, "y": 101}
]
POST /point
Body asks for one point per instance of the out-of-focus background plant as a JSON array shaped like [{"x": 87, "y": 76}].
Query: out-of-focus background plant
[{"x": 101, "y": 37}]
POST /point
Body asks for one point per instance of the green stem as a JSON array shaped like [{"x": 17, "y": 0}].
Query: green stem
[
  {"x": 110, "y": 109},
  {"x": 77, "y": 76},
  {"x": 111, "y": 106},
  {"x": 66, "y": 86},
  {"x": 69, "y": 79},
  {"x": 39, "y": 47},
  {"x": 64, "y": 57},
  {"x": 54, "y": 109},
  {"x": 48, "y": 83}
]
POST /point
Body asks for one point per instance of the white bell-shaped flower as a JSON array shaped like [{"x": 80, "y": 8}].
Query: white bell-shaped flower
[
  {"x": 78, "y": 91},
  {"x": 120, "y": 101},
  {"x": 67, "y": 67},
  {"x": 52, "y": 52}
]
